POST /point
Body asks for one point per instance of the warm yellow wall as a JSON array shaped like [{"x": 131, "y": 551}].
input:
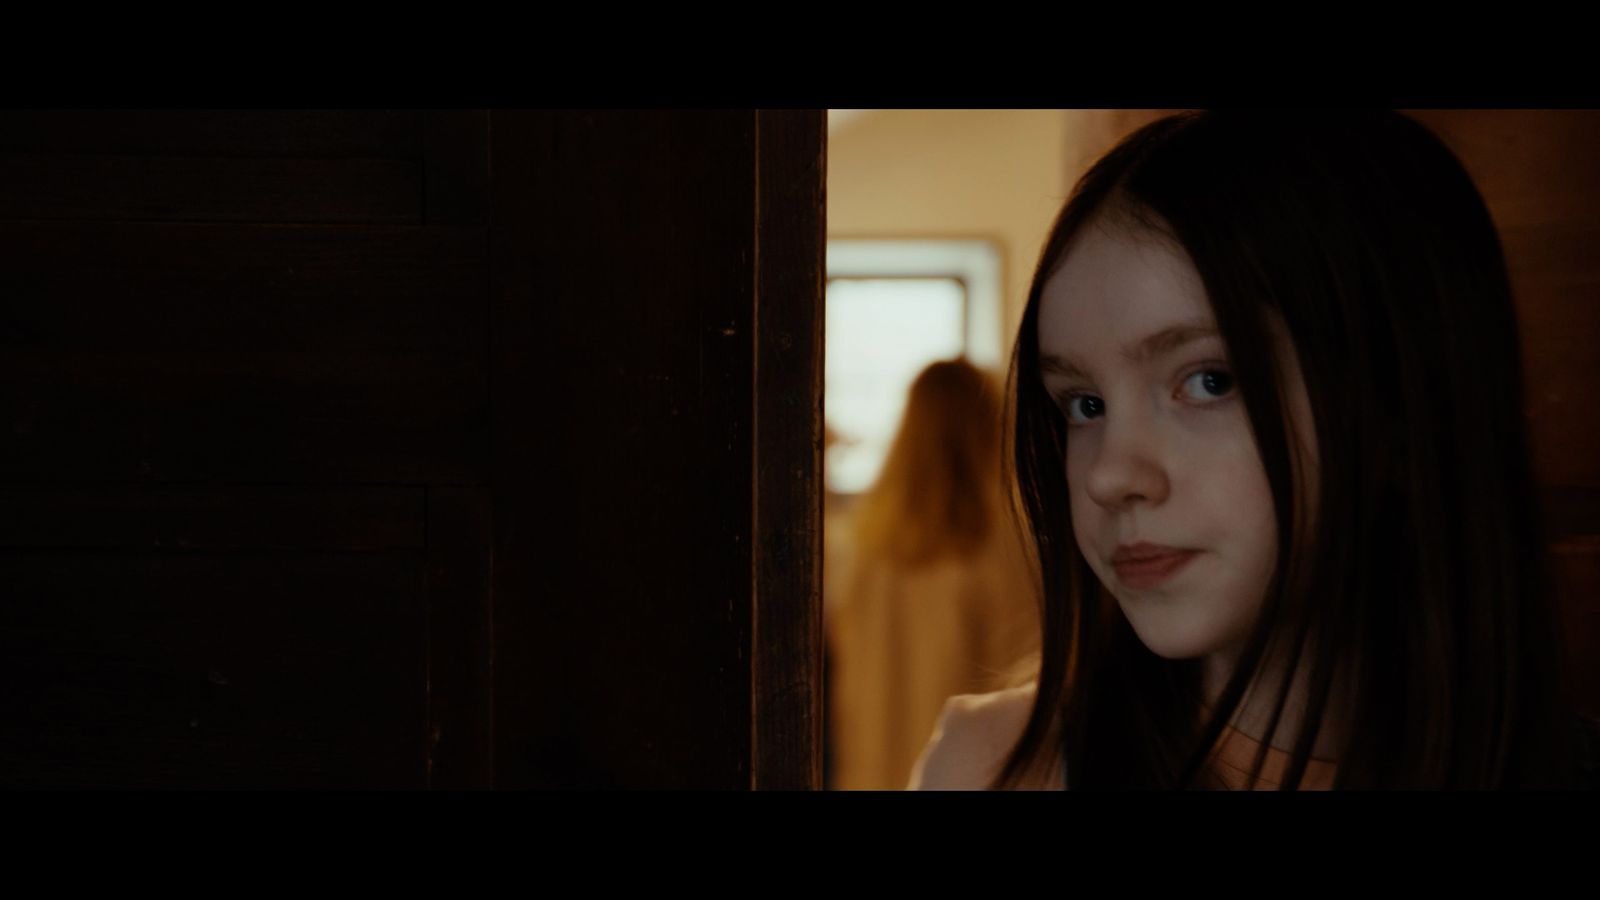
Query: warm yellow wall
[{"x": 986, "y": 173}]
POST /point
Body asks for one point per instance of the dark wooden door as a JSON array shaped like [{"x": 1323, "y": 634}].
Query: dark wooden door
[
  {"x": 657, "y": 444},
  {"x": 361, "y": 449}
]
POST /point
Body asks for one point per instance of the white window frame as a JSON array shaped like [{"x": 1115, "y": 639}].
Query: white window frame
[{"x": 975, "y": 262}]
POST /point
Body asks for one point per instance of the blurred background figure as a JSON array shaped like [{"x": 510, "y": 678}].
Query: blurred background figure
[{"x": 927, "y": 592}]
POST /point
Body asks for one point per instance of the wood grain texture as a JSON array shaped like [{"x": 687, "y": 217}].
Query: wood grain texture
[
  {"x": 257, "y": 418},
  {"x": 91, "y": 188},
  {"x": 788, "y": 334},
  {"x": 195, "y": 669},
  {"x": 211, "y": 517},
  {"x": 224, "y": 427},
  {"x": 455, "y": 159},
  {"x": 184, "y": 287},
  {"x": 1576, "y": 567},
  {"x": 1571, "y": 513},
  {"x": 459, "y": 678},
  {"x": 467, "y": 500},
  {"x": 1555, "y": 271},
  {"x": 243, "y": 353},
  {"x": 623, "y": 398},
  {"x": 243, "y": 133},
  {"x": 210, "y": 636}
]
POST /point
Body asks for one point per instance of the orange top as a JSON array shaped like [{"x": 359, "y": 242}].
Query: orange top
[{"x": 1236, "y": 751}]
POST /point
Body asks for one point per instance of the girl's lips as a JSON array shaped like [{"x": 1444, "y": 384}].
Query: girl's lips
[{"x": 1150, "y": 572}]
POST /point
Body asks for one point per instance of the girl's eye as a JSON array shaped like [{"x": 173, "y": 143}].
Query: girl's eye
[
  {"x": 1210, "y": 384},
  {"x": 1215, "y": 381},
  {"x": 1092, "y": 405}
]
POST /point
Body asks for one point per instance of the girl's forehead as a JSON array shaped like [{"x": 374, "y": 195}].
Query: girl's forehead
[{"x": 1117, "y": 285}]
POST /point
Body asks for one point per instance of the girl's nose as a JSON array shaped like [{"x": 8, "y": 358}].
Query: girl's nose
[{"x": 1127, "y": 469}]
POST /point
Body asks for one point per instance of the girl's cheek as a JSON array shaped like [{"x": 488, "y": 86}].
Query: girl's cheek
[
  {"x": 1082, "y": 444},
  {"x": 1220, "y": 423},
  {"x": 1081, "y": 511}
]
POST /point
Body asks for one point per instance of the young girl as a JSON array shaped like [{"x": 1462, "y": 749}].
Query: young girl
[{"x": 1265, "y": 412}]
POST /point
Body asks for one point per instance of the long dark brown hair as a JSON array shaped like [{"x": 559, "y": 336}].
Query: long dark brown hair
[
  {"x": 939, "y": 494},
  {"x": 1423, "y": 585}
]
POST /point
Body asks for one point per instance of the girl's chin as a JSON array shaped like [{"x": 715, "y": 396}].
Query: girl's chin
[{"x": 1174, "y": 643}]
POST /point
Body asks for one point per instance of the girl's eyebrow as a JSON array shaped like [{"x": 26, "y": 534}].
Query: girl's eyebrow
[{"x": 1156, "y": 345}]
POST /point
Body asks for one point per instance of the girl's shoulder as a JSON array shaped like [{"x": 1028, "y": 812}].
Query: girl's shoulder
[{"x": 973, "y": 737}]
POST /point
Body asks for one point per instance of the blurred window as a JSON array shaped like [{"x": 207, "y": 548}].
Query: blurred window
[{"x": 892, "y": 308}]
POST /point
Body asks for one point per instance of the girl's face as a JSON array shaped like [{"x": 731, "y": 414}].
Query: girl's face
[{"x": 1159, "y": 446}]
